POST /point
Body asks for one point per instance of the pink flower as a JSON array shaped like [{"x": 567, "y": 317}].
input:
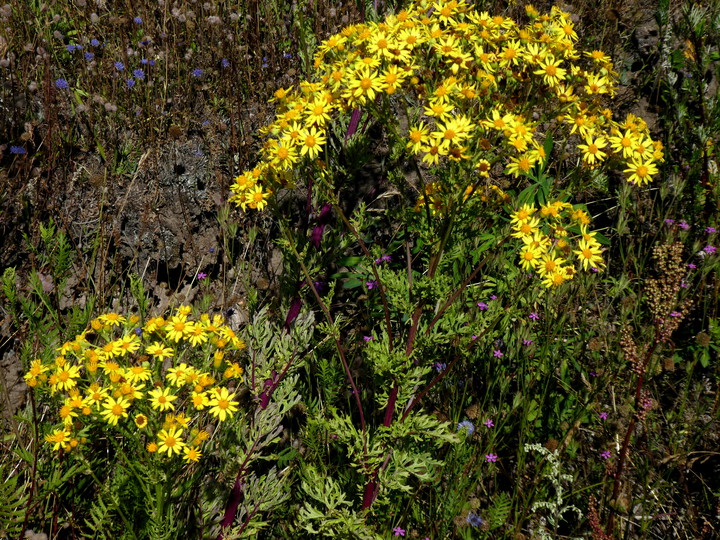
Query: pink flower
[
  {"x": 498, "y": 353},
  {"x": 397, "y": 531},
  {"x": 490, "y": 458}
]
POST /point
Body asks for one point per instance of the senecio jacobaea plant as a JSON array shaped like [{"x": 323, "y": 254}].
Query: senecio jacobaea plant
[
  {"x": 167, "y": 379},
  {"x": 483, "y": 97},
  {"x": 484, "y": 90}
]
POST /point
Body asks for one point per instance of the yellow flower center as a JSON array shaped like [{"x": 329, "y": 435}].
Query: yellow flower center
[
  {"x": 365, "y": 83},
  {"x": 310, "y": 141},
  {"x": 223, "y": 404},
  {"x": 117, "y": 409},
  {"x": 642, "y": 171}
]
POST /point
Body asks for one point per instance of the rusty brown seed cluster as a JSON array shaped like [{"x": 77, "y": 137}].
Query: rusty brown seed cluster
[{"x": 662, "y": 292}]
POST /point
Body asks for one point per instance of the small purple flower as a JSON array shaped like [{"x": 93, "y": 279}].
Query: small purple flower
[
  {"x": 397, "y": 531},
  {"x": 482, "y": 305},
  {"x": 490, "y": 458},
  {"x": 497, "y": 353},
  {"x": 594, "y": 269},
  {"x": 439, "y": 366},
  {"x": 130, "y": 83},
  {"x": 684, "y": 285},
  {"x": 137, "y": 20},
  {"x": 675, "y": 313},
  {"x": 593, "y": 374},
  {"x": 533, "y": 316},
  {"x": 683, "y": 225},
  {"x": 201, "y": 275},
  {"x": 710, "y": 230},
  {"x": 709, "y": 249},
  {"x": 225, "y": 62},
  {"x": 62, "y": 84},
  {"x": 467, "y": 425},
  {"x": 474, "y": 520},
  {"x": 197, "y": 72},
  {"x": 606, "y": 454},
  {"x": 383, "y": 258},
  {"x": 692, "y": 266},
  {"x": 119, "y": 66},
  {"x": 669, "y": 221},
  {"x": 603, "y": 415},
  {"x": 19, "y": 150},
  {"x": 138, "y": 331},
  {"x": 493, "y": 297},
  {"x": 94, "y": 43},
  {"x": 489, "y": 423},
  {"x": 372, "y": 284},
  {"x": 527, "y": 342},
  {"x": 367, "y": 338},
  {"x": 89, "y": 56},
  {"x": 211, "y": 250},
  {"x": 139, "y": 74}
]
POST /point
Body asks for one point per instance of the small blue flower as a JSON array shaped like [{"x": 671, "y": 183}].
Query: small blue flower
[
  {"x": 119, "y": 66},
  {"x": 287, "y": 56},
  {"x": 89, "y": 56},
  {"x": 197, "y": 72},
  {"x": 225, "y": 62},
  {"x": 264, "y": 64},
  {"x": 71, "y": 48},
  {"x": 17, "y": 150},
  {"x": 94, "y": 43},
  {"x": 474, "y": 520},
  {"x": 130, "y": 83},
  {"x": 137, "y": 20},
  {"x": 62, "y": 84},
  {"x": 139, "y": 74},
  {"x": 468, "y": 425}
]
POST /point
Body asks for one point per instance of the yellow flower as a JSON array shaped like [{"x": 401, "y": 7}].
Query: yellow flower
[
  {"x": 549, "y": 264},
  {"x": 551, "y": 71},
  {"x": 177, "y": 327},
  {"x": 161, "y": 399},
  {"x": 159, "y": 351},
  {"x": 318, "y": 112},
  {"x": 311, "y": 141},
  {"x": 589, "y": 254},
  {"x": 95, "y": 395},
  {"x": 221, "y": 403},
  {"x": 60, "y": 438},
  {"x": 112, "y": 319},
  {"x": 523, "y": 214},
  {"x": 593, "y": 150},
  {"x": 152, "y": 447},
  {"x": 113, "y": 410},
  {"x": 65, "y": 377},
  {"x": 199, "y": 400},
  {"x": 154, "y": 324},
  {"x": 135, "y": 374},
  {"x": 641, "y": 172},
  {"x": 363, "y": 86},
  {"x": 418, "y": 135},
  {"x": 141, "y": 420},
  {"x": 192, "y": 453},
  {"x": 170, "y": 441},
  {"x": 129, "y": 344},
  {"x": 530, "y": 256},
  {"x": 177, "y": 375},
  {"x": 256, "y": 199}
]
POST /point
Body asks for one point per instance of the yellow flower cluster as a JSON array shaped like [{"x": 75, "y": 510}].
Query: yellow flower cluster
[
  {"x": 548, "y": 235},
  {"x": 485, "y": 87},
  {"x": 118, "y": 368}
]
